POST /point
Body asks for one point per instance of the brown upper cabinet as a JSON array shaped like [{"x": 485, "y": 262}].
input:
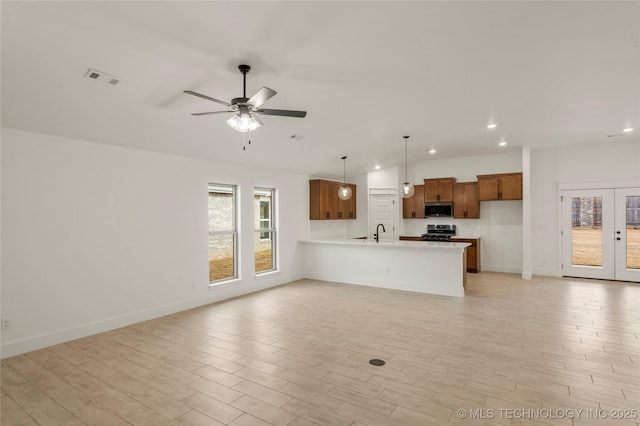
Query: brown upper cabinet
[
  {"x": 413, "y": 208},
  {"x": 440, "y": 189},
  {"x": 505, "y": 186},
  {"x": 465, "y": 200},
  {"x": 324, "y": 203}
]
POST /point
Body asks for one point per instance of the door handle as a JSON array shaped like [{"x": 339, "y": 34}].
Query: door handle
[
  {"x": 618, "y": 232},
  {"x": 618, "y": 238}
]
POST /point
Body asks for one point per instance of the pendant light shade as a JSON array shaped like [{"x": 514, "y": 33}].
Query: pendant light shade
[
  {"x": 344, "y": 192},
  {"x": 406, "y": 189}
]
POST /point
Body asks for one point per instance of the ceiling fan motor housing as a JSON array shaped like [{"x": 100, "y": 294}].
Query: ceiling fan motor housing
[{"x": 239, "y": 101}]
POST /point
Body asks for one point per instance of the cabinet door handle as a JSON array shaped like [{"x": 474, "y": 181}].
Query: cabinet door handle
[
  {"x": 350, "y": 214},
  {"x": 499, "y": 194},
  {"x": 413, "y": 214},
  {"x": 339, "y": 214},
  {"x": 328, "y": 215}
]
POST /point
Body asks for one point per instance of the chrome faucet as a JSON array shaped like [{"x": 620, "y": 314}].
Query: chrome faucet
[{"x": 378, "y": 233}]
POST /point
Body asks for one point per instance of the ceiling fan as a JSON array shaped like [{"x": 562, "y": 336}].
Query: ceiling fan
[{"x": 245, "y": 119}]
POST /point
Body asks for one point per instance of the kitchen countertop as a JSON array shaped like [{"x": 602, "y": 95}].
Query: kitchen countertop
[
  {"x": 468, "y": 237},
  {"x": 420, "y": 245}
]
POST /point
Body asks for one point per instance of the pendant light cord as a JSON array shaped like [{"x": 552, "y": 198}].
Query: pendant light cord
[
  {"x": 406, "y": 159},
  {"x": 344, "y": 171}
]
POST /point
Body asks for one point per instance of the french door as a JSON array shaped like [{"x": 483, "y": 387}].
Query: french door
[
  {"x": 601, "y": 233},
  {"x": 627, "y": 234}
]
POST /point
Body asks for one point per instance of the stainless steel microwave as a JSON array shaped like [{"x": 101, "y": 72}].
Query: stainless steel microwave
[{"x": 439, "y": 209}]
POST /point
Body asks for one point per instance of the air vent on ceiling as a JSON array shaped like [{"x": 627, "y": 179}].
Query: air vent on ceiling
[{"x": 102, "y": 77}]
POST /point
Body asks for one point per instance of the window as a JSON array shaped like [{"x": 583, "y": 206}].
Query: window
[
  {"x": 223, "y": 234},
  {"x": 265, "y": 232}
]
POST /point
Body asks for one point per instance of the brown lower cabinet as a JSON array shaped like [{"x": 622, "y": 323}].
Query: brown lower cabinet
[{"x": 473, "y": 251}]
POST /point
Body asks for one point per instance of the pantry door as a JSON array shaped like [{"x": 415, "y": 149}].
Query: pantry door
[
  {"x": 588, "y": 233},
  {"x": 383, "y": 209},
  {"x": 627, "y": 234}
]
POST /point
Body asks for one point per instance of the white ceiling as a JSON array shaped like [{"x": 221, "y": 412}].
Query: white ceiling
[{"x": 548, "y": 73}]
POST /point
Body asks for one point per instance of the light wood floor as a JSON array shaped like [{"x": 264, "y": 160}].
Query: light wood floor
[{"x": 298, "y": 355}]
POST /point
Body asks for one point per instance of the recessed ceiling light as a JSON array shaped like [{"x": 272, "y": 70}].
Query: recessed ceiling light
[
  {"x": 502, "y": 143},
  {"x": 627, "y": 129},
  {"x": 377, "y": 167},
  {"x": 432, "y": 151},
  {"x": 492, "y": 126}
]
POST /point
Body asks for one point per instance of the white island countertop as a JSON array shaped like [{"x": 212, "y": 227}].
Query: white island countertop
[
  {"x": 420, "y": 245},
  {"x": 433, "y": 267}
]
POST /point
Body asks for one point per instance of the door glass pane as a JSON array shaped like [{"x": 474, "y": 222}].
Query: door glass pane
[
  {"x": 586, "y": 231},
  {"x": 633, "y": 232},
  {"x": 221, "y": 257}
]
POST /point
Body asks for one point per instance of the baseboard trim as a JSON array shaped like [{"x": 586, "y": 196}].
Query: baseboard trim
[
  {"x": 440, "y": 290},
  {"x": 548, "y": 272},
  {"x": 502, "y": 268},
  {"x": 17, "y": 347}
]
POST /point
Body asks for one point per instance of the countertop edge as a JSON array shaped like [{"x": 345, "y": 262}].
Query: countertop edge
[{"x": 418, "y": 245}]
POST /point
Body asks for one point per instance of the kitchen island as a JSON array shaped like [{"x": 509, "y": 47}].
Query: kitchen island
[{"x": 424, "y": 267}]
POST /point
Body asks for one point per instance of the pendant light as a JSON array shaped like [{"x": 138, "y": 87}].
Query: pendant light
[
  {"x": 344, "y": 192},
  {"x": 407, "y": 189}
]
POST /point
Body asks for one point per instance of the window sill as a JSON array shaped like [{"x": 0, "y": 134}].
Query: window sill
[
  {"x": 265, "y": 273},
  {"x": 224, "y": 283}
]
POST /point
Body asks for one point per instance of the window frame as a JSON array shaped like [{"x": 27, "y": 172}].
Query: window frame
[
  {"x": 271, "y": 231},
  {"x": 234, "y": 232}
]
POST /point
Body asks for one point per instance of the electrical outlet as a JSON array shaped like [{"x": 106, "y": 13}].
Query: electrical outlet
[{"x": 6, "y": 323}]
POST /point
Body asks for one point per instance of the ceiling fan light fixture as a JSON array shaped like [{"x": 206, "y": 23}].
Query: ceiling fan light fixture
[
  {"x": 406, "y": 189},
  {"x": 245, "y": 119},
  {"x": 244, "y": 122},
  {"x": 344, "y": 192}
]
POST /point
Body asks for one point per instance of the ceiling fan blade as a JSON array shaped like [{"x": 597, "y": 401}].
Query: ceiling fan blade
[
  {"x": 212, "y": 112},
  {"x": 283, "y": 112},
  {"x": 200, "y": 95},
  {"x": 262, "y": 96}
]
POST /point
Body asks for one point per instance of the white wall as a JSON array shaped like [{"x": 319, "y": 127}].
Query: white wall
[
  {"x": 617, "y": 160},
  {"x": 95, "y": 237},
  {"x": 500, "y": 223}
]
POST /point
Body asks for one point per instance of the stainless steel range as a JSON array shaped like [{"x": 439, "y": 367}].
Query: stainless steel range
[{"x": 439, "y": 233}]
